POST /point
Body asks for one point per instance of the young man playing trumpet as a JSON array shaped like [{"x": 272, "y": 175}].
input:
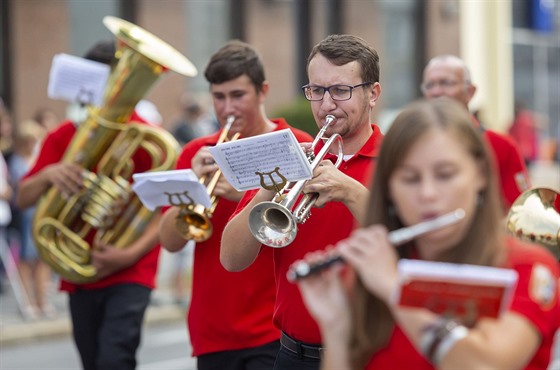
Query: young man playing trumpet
[
  {"x": 343, "y": 73},
  {"x": 230, "y": 314}
]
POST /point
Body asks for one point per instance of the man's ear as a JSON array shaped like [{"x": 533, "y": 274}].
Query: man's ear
[
  {"x": 264, "y": 91},
  {"x": 376, "y": 92},
  {"x": 471, "y": 90}
]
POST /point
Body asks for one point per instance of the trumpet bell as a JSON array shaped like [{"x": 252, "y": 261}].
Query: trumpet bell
[
  {"x": 533, "y": 217},
  {"x": 273, "y": 224},
  {"x": 194, "y": 220},
  {"x": 193, "y": 223}
]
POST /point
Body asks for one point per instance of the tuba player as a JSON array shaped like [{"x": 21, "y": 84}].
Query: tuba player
[{"x": 107, "y": 314}]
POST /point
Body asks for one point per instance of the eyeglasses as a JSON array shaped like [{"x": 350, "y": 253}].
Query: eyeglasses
[
  {"x": 444, "y": 84},
  {"x": 337, "y": 92}
]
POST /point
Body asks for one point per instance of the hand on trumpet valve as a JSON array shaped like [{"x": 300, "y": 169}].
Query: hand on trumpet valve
[
  {"x": 329, "y": 183},
  {"x": 307, "y": 148},
  {"x": 203, "y": 163}
]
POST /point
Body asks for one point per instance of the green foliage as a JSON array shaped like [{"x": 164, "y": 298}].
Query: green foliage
[{"x": 298, "y": 114}]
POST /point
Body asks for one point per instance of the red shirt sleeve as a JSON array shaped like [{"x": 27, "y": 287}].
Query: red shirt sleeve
[{"x": 513, "y": 174}]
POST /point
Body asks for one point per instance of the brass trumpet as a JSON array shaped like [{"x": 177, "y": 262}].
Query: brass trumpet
[
  {"x": 273, "y": 223},
  {"x": 193, "y": 220}
]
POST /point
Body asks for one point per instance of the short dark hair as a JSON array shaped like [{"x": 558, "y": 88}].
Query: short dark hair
[
  {"x": 343, "y": 49},
  {"x": 102, "y": 52},
  {"x": 234, "y": 59}
]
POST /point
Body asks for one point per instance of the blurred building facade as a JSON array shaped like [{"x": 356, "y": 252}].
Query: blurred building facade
[{"x": 511, "y": 54}]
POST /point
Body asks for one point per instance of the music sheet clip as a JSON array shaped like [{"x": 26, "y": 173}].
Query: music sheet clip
[
  {"x": 174, "y": 187},
  {"x": 77, "y": 80},
  {"x": 242, "y": 159}
]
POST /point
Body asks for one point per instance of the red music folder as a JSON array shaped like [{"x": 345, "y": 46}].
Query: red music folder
[{"x": 463, "y": 292}]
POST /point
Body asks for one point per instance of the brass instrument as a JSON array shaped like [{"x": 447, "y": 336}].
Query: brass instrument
[
  {"x": 193, "y": 220},
  {"x": 274, "y": 223},
  {"x": 532, "y": 217},
  {"x": 106, "y": 210}
]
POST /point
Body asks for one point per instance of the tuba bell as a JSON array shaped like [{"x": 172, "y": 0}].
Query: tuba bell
[
  {"x": 193, "y": 220},
  {"x": 274, "y": 223},
  {"x": 535, "y": 217},
  {"x": 106, "y": 210}
]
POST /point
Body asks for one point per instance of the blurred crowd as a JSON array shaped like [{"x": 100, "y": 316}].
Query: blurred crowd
[{"x": 21, "y": 265}]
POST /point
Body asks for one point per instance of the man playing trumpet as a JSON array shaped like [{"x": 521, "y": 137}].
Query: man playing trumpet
[
  {"x": 230, "y": 314},
  {"x": 343, "y": 73}
]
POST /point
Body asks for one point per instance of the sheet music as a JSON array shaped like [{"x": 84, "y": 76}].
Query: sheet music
[
  {"x": 74, "y": 79},
  {"x": 240, "y": 160},
  {"x": 163, "y": 188}
]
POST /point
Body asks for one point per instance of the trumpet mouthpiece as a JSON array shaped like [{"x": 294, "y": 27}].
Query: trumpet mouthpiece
[{"x": 229, "y": 121}]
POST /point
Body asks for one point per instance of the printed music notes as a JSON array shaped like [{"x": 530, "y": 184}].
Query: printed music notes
[{"x": 241, "y": 160}]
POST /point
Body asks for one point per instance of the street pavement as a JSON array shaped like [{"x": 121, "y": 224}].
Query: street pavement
[{"x": 14, "y": 328}]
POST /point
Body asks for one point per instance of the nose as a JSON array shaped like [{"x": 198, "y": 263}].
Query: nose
[
  {"x": 327, "y": 103},
  {"x": 229, "y": 106},
  {"x": 428, "y": 189}
]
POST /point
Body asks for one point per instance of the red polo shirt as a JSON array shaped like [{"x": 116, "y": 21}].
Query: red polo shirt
[
  {"x": 512, "y": 173},
  {"x": 229, "y": 310},
  {"x": 326, "y": 226}
]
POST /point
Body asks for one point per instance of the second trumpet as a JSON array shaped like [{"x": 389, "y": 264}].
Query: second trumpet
[{"x": 193, "y": 220}]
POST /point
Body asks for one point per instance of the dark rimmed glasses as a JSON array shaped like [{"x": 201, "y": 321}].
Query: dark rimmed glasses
[{"x": 337, "y": 92}]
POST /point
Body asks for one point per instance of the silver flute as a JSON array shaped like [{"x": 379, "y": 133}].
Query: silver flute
[{"x": 395, "y": 237}]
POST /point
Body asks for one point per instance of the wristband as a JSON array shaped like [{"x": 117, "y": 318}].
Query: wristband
[
  {"x": 429, "y": 335},
  {"x": 439, "y": 337},
  {"x": 456, "y": 334}
]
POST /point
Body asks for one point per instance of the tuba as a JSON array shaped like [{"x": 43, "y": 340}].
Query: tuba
[
  {"x": 193, "y": 220},
  {"x": 106, "y": 210},
  {"x": 533, "y": 217},
  {"x": 274, "y": 223}
]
